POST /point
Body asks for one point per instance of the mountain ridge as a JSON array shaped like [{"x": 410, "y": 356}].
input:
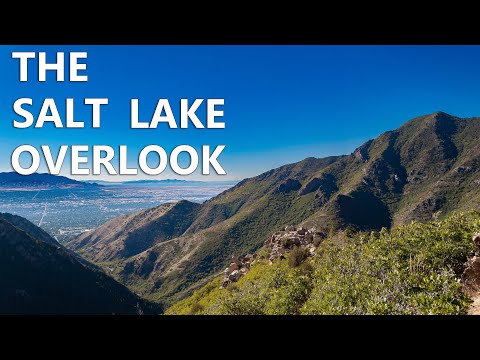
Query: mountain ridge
[
  {"x": 39, "y": 277},
  {"x": 38, "y": 180},
  {"x": 427, "y": 165}
]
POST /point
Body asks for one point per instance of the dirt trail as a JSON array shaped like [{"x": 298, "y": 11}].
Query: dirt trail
[{"x": 475, "y": 307}]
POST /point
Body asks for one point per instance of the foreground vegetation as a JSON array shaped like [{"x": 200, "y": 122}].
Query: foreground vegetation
[{"x": 412, "y": 269}]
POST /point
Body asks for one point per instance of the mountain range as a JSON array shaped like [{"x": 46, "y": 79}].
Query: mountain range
[
  {"x": 36, "y": 180},
  {"x": 427, "y": 168}
]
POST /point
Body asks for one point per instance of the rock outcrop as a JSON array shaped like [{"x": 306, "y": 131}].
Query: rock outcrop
[
  {"x": 361, "y": 153},
  {"x": 237, "y": 268},
  {"x": 282, "y": 242},
  {"x": 471, "y": 274}
]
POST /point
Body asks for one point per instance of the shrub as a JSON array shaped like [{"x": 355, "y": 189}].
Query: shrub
[
  {"x": 232, "y": 287},
  {"x": 317, "y": 241},
  {"x": 411, "y": 269},
  {"x": 196, "y": 308},
  {"x": 297, "y": 256},
  {"x": 264, "y": 252}
]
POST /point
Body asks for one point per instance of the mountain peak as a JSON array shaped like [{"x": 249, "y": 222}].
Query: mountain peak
[{"x": 440, "y": 115}]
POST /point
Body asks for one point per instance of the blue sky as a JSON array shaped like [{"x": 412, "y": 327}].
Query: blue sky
[{"x": 282, "y": 103}]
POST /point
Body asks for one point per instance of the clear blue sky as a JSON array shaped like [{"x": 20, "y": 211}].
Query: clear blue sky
[{"x": 282, "y": 103}]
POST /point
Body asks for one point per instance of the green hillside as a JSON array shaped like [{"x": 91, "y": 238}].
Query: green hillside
[
  {"x": 430, "y": 164},
  {"x": 412, "y": 269}
]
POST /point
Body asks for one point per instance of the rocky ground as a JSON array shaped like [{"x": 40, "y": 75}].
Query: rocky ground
[{"x": 280, "y": 243}]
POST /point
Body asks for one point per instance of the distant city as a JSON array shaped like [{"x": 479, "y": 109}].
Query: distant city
[{"x": 66, "y": 212}]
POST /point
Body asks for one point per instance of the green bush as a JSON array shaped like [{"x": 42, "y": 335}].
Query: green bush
[
  {"x": 297, "y": 256},
  {"x": 412, "y": 269},
  {"x": 196, "y": 308}
]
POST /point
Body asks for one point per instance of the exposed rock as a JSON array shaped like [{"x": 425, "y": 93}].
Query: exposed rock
[
  {"x": 361, "y": 153},
  {"x": 283, "y": 242},
  {"x": 249, "y": 258},
  {"x": 476, "y": 240},
  {"x": 237, "y": 268},
  {"x": 231, "y": 268},
  {"x": 471, "y": 274},
  {"x": 280, "y": 243},
  {"x": 463, "y": 169},
  {"x": 234, "y": 276},
  {"x": 236, "y": 260}
]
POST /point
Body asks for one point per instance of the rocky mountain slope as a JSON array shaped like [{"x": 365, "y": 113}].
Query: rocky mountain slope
[
  {"x": 419, "y": 268},
  {"x": 41, "y": 277},
  {"x": 430, "y": 164}
]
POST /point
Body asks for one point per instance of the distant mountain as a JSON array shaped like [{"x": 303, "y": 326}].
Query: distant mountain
[
  {"x": 38, "y": 277},
  {"x": 15, "y": 180},
  {"x": 166, "y": 181},
  {"x": 429, "y": 165},
  {"x": 98, "y": 182},
  {"x": 157, "y": 182}
]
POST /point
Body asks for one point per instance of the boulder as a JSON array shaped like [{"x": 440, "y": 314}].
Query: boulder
[
  {"x": 290, "y": 228},
  {"x": 225, "y": 283},
  {"x": 471, "y": 276},
  {"x": 232, "y": 267},
  {"x": 234, "y": 276},
  {"x": 301, "y": 231},
  {"x": 309, "y": 237},
  {"x": 236, "y": 260},
  {"x": 476, "y": 240},
  {"x": 248, "y": 258}
]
